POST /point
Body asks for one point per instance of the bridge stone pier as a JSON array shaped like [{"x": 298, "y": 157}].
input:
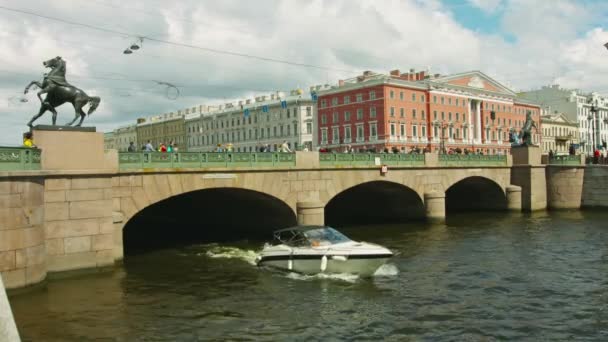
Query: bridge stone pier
[{"x": 72, "y": 212}]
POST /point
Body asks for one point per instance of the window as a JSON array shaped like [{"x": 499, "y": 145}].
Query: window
[
  {"x": 402, "y": 130},
  {"x": 308, "y": 111},
  {"x": 372, "y": 95},
  {"x": 457, "y": 102},
  {"x": 434, "y": 99},
  {"x": 401, "y": 95},
  {"x": 373, "y": 130},
  {"x": 414, "y": 113},
  {"x": 309, "y": 128},
  {"x": 421, "y": 98},
  {"x": 347, "y": 133},
  {"x": 449, "y": 100},
  {"x": 457, "y": 116},
  {"x": 346, "y": 99},
  {"x": 359, "y": 114},
  {"x": 360, "y": 133},
  {"x": 334, "y": 101},
  {"x": 335, "y": 118},
  {"x": 434, "y": 115},
  {"x": 402, "y": 112},
  {"x": 288, "y": 130},
  {"x": 392, "y": 112},
  {"x": 415, "y": 131},
  {"x": 392, "y": 94},
  {"x": 392, "y": 129},
  {"x": 324, "y": 119},
  {"x": 288, "y": 113},
  {"x": 323, "y": 136},
  {"x": 442, "y": 100},
  {"x": 359, "y": 97},
  {"x": 442, "y": 116},
  {"x": 372, "y": 112},
  {"x": 450, "y": 116},
  {"x": 346, "y": 116},
  {"x": 413, "y": 96},
  {"x": 335, "y": 135},
  {"x": 423, "y": 131}
]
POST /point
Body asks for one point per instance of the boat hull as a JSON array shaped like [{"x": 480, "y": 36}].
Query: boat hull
[{"x": 362, "y": 265}]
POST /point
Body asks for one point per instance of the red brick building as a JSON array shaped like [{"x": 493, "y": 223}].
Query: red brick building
[{"x": 403, "y": 111}]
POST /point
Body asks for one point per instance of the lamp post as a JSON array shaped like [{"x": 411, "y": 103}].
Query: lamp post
[{"x": 593, "y": 121}]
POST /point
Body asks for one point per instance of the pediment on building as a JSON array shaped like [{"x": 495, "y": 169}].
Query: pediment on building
[{"x": 475, "y": 80}]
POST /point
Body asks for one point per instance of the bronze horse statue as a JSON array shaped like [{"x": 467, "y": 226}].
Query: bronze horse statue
[{"x": 58, "y": 91}]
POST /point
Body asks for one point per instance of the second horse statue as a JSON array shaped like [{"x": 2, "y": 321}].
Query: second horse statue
[{"x": 58, "y": 91}]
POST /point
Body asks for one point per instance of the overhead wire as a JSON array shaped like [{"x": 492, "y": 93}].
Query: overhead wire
[{"x": 173, "y": 43}]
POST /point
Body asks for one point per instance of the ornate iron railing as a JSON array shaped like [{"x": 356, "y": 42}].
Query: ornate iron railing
[
  {"x": 141, "y": 160},
  {"x": 19, "y": 158},
  {"x": 565, "y": 160},
  {"x": 472, "y": 160},
  {"x": 370, "y": 159}
]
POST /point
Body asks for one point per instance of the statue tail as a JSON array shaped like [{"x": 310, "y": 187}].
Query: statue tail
[{"x": 93, "y": 103}]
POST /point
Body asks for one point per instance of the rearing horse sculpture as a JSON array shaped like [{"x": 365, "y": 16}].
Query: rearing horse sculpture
[
  {"x": 526, "y": 130},
  {"x": 58, "y": 91}
]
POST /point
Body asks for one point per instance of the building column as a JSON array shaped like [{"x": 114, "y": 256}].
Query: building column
[
  {"x": 478, "y": 123},
  {"x": 470, "y": 133},
  {"x": 513, "y": 197},
  {"x": 311, "y": 213},
  {"x": 434, "y": 203},
  {"x": 8, "y": 328}
]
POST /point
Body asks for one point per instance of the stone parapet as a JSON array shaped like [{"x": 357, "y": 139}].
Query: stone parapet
[{"x": 8, "y": 328}]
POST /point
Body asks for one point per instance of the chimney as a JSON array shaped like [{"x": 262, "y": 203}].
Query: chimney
[
  {"x": 395, "y": 72},
  {"x": 367, "y": 73},
  {"x": 421, "y": 75},
  {"x": 141, "y": 120},
  {"x": 405, "y": 76},
  {"x": 340, "y": 83}
]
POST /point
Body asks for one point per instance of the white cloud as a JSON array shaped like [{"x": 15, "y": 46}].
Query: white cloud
[{"x": 552, "y": 39}]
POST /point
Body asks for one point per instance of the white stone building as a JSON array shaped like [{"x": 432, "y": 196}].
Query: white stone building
[
  {"x": 588, "y": 110},
  {"x": 123, "y": 136},
  {"x": 558, "y": 133},
  {"x": 252, "y": 123}
]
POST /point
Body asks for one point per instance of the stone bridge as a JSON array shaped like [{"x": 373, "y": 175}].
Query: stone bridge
[{"x": 70, "y": 207}]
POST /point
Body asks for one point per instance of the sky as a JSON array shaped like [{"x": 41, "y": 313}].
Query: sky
[{"x": 215, "y": 52}]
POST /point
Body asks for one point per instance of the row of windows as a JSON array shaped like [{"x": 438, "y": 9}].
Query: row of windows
[
  {"x": 237, "y": 121},
  {"x": 347, "y": 98},
  {"x": 277, "y": 131}
]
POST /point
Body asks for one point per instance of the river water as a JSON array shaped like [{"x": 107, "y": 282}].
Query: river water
[{"x": 480, "y": 277}]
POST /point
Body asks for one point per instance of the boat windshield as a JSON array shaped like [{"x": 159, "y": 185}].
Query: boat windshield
[{"x": 325, "y": 236}]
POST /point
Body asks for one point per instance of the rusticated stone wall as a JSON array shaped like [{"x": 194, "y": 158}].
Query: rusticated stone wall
[
  {"x": 564, "y": 186},
  {"x": 22, "y": 246},
  {"x": 78, "y": 222},
  {"x": 595, "y": 186}
]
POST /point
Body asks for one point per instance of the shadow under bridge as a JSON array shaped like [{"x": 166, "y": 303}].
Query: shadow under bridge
[
  {"x": 209, "y": 215},
  {"x": 374, "y": 203}
]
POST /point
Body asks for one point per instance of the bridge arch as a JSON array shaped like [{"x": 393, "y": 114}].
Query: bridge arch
[
  {"x": 475, "y": 193},
  {"x": 376, "y": 201},
  {"x": 206, "y": 215}
]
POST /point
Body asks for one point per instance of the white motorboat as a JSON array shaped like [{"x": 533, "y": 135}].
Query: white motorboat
[{"x": 320, "y": 249}]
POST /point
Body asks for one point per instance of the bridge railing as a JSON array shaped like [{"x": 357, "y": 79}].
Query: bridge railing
[
  {"x": 19, "y": 158},
  {"x": 141, "y": 160},
  {"x": 472, "y": 160},
  {"x": 370, "y": 159},
  {"x": 566, "y": 160}
]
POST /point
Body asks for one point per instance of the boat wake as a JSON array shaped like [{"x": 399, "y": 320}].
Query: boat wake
[
  {"x": 386, "y": 270},
  {"x": 215, "y": 251}
]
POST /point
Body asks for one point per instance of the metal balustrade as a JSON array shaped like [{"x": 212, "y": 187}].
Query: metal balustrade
[
  {"x": 142, "y": 160},
  {"x": 369, "y": 159},
  {"x": 19, "y": 158},
  {"x": 565, "y": 160},
  {"x": 472, "y": 160}
]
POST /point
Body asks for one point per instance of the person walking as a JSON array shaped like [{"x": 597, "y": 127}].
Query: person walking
[
  {"x": 131, "y": 147},
  {"x": 285, "y": 147}
]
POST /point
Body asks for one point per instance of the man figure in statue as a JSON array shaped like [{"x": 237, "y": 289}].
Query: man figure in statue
[{"x": 526, "y": 130}]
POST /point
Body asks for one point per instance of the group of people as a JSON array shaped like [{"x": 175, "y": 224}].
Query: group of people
[
  {"x": 148, "y": 147},
  {"x": 396, "y": 150}
]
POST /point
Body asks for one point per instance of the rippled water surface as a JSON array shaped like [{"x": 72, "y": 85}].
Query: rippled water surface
[{"x": 482, "y": 278}]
